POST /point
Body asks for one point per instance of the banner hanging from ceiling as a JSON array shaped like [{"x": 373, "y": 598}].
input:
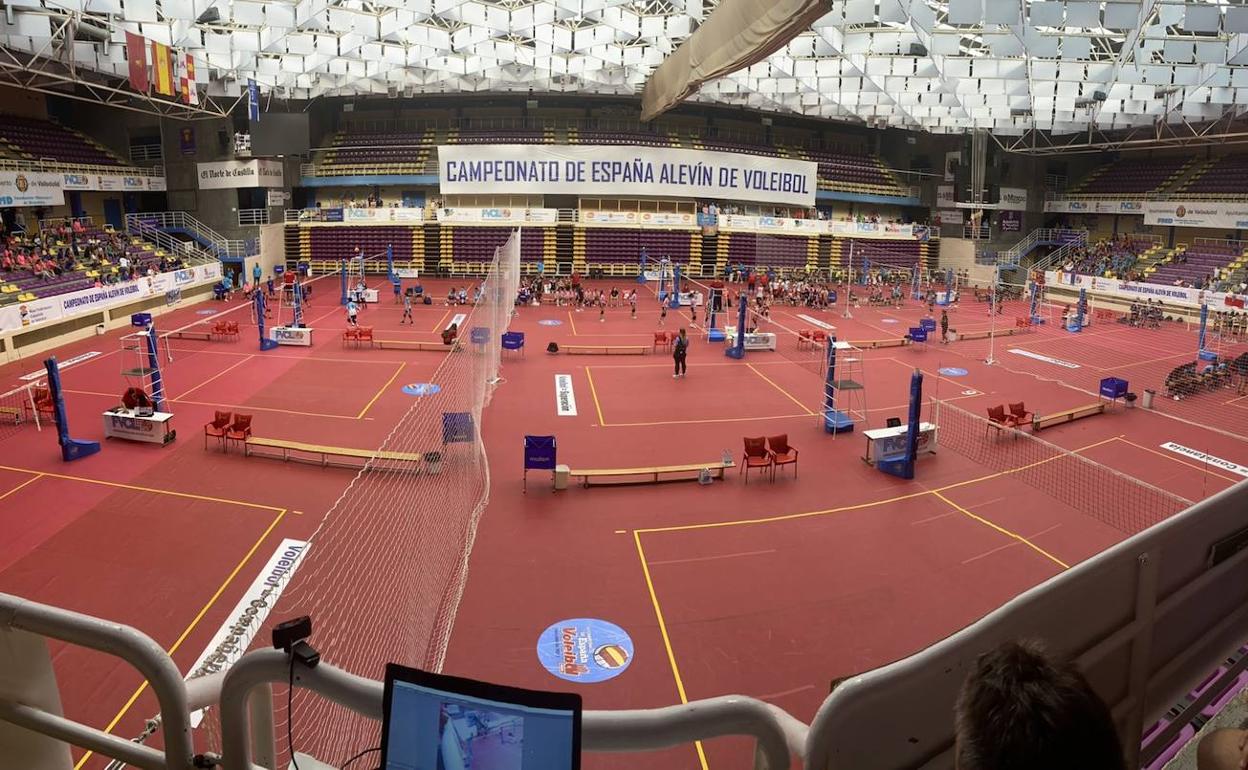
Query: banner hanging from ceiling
[{"x": 624, "y": 171}]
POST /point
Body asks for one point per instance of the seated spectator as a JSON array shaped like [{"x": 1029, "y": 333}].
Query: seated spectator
[
  {"x": 1223, "y": 750},
  {"x": 1020, "y": 709}
]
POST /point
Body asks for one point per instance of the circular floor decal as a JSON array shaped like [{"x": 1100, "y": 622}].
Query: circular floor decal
[
  {"x": 550, "y": 322},
  {"x": 204, "y": 312},
  {"x": 421, "y": 389},
  {"x": 888, "y": 320},
  {"x": 585, "y": 650},
  {"x": 952, "y": 371},
  {"x": 970, "y": 392}
]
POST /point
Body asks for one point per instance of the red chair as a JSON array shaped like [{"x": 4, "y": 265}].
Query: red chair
[
  {"x": 662, "y": 338},
  {"x": 231, "y": 329},
  {"x": 781, "y": 453},
  {"x": 44, "y": 405},
  {"x": 221, "y": 329},
  {"x": 1020, "y": 414},
  {"x": 216, "y": 428},
  {"x": 997, "y": 418},
  {"x": 240, "y": 429},
  {"x": 756, "y": 456},
  {"x": 365, "y": 334},
  {"x": 803, "y": 337},
  {"x": 350, "y": 335}
]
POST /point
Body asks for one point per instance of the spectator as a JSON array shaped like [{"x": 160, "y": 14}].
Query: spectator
[{"x": 1020, "y": 709}]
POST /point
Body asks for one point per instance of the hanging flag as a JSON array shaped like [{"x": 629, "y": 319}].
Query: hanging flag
[
  {"x": 253, "y": 101},
  {"x": 136, "y": 53},
  {"x": 190, "y": 95},
  {"x": 162, "y": 69}
]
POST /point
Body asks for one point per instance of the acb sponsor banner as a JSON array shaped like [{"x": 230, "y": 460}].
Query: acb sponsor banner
[
  {"x": 1232, "y": 216},
  {"x": 624, "y": 171},
  {"x": 291, "y": 335},
  {"x": 31, "y": 188},
  {"x": 240, "y": 173}
]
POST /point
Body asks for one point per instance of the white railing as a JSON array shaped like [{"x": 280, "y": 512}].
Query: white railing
[
  {"x": 976, "y": 233},
  {"x": 50, "y": 165},
  {"x": 188, "y": 250},
  {"x": 151, "y": 153},
  {"x": 49, "y": 223},
  {"x": 181, "y": 220},
  {"x": 252, "y": 217}
]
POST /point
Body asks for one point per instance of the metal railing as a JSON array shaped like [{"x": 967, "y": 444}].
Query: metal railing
[
  {"x": 190, "y": 251},
  {"x": 140, "y": 153},
  {"x": 252, "y": 217},
  {"x": 51, "y": 165},
  {"x": 180, "y": 220}
]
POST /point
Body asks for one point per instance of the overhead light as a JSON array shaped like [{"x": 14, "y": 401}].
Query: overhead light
[{"x": 210, "y": 16}]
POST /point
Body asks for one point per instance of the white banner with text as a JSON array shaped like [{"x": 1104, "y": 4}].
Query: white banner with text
[
  {"x": 1232, "y": 216},
  {"x": 30, "y": 188},
  {"x": 624, "y": 171},
  {"x": 240, "y": 173},
  {"x": 1112, "y": 287}
]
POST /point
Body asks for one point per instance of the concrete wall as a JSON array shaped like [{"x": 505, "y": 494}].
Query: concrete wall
[
  {"x": 272, "y": 248},
  {"x": 958, "y": 254}
]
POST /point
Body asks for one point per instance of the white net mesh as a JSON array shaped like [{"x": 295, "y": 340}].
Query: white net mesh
[
  {"x": 386, "y": 567},
  {"x": 17, "y": 410}
]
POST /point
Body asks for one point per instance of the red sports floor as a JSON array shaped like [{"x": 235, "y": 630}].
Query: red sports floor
[{"x": 767, "y": 590}]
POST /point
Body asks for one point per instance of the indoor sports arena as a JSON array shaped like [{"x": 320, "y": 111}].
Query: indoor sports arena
[{"x": 424, "y": 385}]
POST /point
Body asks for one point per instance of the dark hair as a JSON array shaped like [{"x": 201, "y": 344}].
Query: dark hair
[{"x": 1021, "y": 710}]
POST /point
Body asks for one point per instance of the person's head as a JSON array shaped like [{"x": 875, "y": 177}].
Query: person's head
[
  {"x": 682, "y": 332},
  {"x": 1020, "y": 709}
]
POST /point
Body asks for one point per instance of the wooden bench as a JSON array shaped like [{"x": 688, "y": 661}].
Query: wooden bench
[
  {"x": 604, "y": 350},
  {"x": 983, "y": 334},
  {"x": 325, "y": 453},
  {"x": 873, "y": 344},
  {"x": 190, "y": 335},
  {"x": 651, "y": 475},
  {"x": 12, "y": 411},
  {"x": 1067, "y": 415},
  {"x": 415, "y": 345}
]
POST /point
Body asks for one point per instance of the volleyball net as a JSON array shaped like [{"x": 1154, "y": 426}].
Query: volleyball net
[
  {"x": 18, "y": 411},
  {"x": 806, "y": 346},
  {"x": 1115, "y": 499},
  {"x": 383, "y": 573}
]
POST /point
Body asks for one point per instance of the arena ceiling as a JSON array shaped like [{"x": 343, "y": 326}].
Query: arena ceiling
[{"x": 944, "y": 66}]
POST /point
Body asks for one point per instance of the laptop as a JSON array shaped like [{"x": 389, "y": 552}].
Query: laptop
[{"x": 439, "y": 722}]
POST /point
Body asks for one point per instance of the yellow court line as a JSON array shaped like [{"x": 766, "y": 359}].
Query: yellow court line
[
  {"x": 377, "y": 395},
  {"x": 1178, "y": 459},
  {"x": 24, "y": 484},
  {"x": 709, "y": 420},
  {"x": 773, "y": 384},
  {"x": 191, "y": 627},
  {"x": 215, "y": 376},
  {"x": 667, "y": 641},
  {"x": 572, "y": 321},
  {"x": 135, "y": 487},
  {"x": 594, "y": 392},
  {"x": 438, "y": 327},
  {"x": 248, "y": 407},
  {"x": 865, "y": 505},
  {"x": 1004, "y": 531}
]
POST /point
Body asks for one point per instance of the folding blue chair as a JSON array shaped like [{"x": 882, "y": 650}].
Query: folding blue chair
[
  {"x": 513, "y": 341},
  {"x": 539, "y": 455}
]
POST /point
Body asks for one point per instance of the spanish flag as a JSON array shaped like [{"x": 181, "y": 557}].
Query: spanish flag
[
  {"x": 162, "y": 69},
  {"x": 136, "y": 54}
]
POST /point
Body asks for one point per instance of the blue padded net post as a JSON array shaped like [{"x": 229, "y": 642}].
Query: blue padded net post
[
  {"x": 1034, "y": 312},
  {"x": 1204, "y": 328},
  {"x": 641, "y": 266},
  {"x": 153, "y": 363},
  {"x": 737, "y": 349},
  {"x": 866, "y": 269},
  {"x": 71, "y": 448},
  {"x": 297, "y": 293},
  {"x": 265, "y": 342},
  {"x": 903, "y": 466},
  {"x": 343, "y": 282},
  {"x": 390, "y": 262},
  {"x": 949, "y": 286},
  {"x": 1082, "y": 307},
  {"x": 673, "y": 300},
  {"x": 915, "y": 290}
]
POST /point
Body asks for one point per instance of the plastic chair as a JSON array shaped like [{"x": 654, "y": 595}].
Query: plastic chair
[
  {"x": 364, "y": 334},
  {"x": 756, "y": 456},
  {"x": 1019, "y": 413},
  {"x": 216, "y": 429},
  {"x": 240, "y": 429},
  {"x": 663, "y": 339},
  {"x": 781, "y": 453},
  {"x": 999, "y": 419}
]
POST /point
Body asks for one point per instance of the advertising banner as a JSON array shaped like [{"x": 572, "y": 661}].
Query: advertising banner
[
  {"x": 30, "y": 188},
  {"x": 1065, "y": 206},
  {"x": 499, "y": 216},
  {"x": 1010, "y": 221},
  {"x": 1142, "y": 291},
  {"x": 1231, "y": 216},
  {"x": 77, "y": 182},
  {"x": 62, "y": 306},
  {"x": 240, "y": 173},
  {"x": 624, "y": 171},
  {"x": 108, "y": 183}
]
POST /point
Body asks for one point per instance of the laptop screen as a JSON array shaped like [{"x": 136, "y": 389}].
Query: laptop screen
[{"x": 436, "y": 722}]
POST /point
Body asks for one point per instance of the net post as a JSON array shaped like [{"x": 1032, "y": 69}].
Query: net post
[
  {"x": 390, "y": 262},
  {"x": 30, "y": 397},
  {"x": 343, "y": 275},
  {"x": 737, "y": 349},
  {"x": 674, "y": 297}
]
